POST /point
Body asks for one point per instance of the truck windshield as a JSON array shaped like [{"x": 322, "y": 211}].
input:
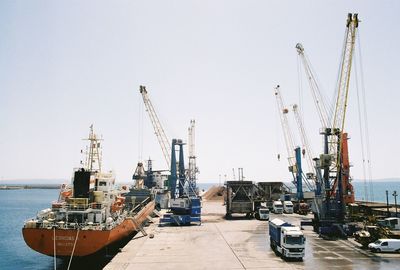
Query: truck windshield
[
  {"x": 264, "y": 211},
  {"x": 294, "y": 240}
]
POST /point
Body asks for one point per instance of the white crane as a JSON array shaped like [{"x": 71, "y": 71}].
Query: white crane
[
  {"x": 320, "y": 104},
  {"x": 193, "y": 170},
  {"x": 158, "y": 129},
  {"x": 287, "y": 133},
  {"x": 304, "y": 140}
]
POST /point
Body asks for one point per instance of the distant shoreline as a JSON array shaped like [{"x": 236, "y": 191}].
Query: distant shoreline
[{"x": 38, "y": 186}]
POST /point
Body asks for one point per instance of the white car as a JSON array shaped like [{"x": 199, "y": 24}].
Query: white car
[{"x": 385, "y": 245}]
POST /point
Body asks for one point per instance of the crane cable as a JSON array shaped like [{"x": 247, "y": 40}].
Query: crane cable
[
  {"x": 368, "y": 147},
  {"x": 300, "y": 82},
  {"x": 278, "y": 148},
  {"x": 140, "y": 129},
  {"x": 362, "y": 134}
]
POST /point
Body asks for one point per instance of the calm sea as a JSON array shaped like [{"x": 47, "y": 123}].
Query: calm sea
[
  {"x": 15, "y": 207},
  {"x": 18, "y": 205},
  {"x": 376, "y": 191}
]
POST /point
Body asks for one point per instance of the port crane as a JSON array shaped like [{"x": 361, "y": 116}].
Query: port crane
[
  {"x": 193, "y": 170},
  {"x": 185, "y": 208},
  {"x": 319, "y": 101},
  {"x": 307, "y": 151},
  {"x": 294, "y": 160},
  {"x": 158, "y": 129},
  {"x": 323, "y": 113},
  {"x": 334, "y": 162}
]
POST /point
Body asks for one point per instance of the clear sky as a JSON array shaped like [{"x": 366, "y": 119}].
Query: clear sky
[{"x": 67, "y": 64}]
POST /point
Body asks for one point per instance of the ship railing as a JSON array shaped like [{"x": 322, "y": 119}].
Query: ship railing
[
  {"x": 77, "y": 207},
  {"x": 49, "y": 224},
  {"x": 140, "y": 206}
]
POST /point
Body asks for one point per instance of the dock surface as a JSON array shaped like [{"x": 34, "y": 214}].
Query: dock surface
[{"x": 238, "y": 244}]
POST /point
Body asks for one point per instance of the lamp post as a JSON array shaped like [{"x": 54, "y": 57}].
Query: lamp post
[
  {"x": 395, "y": 200},
  {"x": 387, "y": 203}
]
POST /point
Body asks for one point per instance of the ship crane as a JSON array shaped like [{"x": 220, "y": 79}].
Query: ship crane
[{"x": 158, "y": 129}]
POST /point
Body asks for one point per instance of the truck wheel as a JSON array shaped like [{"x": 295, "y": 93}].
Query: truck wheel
[{"x": 378, "y": 250}]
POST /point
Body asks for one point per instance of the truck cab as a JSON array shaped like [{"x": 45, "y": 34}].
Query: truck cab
[
  {"x": 262, "y": 213},
  {"x": 286, "y": 239},
  {"x": 392, "y": 223},
  {"x": 277, "y": 207},
  {"x": 288, "y": 207}
]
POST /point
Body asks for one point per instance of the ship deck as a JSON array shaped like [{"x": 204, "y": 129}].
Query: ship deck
[{"x": 238, "y": 244}]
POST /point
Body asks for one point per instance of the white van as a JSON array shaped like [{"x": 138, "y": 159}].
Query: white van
[
  {"x": 288, "y": 207},
  {"x": 385, "y": 245},
  {"x": 277, "y": 207}
]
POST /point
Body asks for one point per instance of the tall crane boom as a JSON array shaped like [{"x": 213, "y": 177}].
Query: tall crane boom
[
  {"x": 335, "y": 161},
  {"x": 287, "y": 133},
  {"x": 193, "y": 170},
  {"x": 158, "y": 129},
  {"x": 344, "y": 77},
  {"x": 304, "y": 138},
  {"x": 338, "y": 120},
  {"x": 319, "y": 101}
]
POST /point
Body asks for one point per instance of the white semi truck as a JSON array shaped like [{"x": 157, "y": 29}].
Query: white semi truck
[
  {"x": 286, "y": 239},
  {"x": 288, "y": 207},
  {"x": 277, "y": 207}
]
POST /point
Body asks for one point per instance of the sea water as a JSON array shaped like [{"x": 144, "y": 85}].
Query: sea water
[{"x": 16, "y": 206}]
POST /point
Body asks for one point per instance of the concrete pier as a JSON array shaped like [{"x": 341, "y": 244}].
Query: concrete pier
[{"x": 238, "y": 244}]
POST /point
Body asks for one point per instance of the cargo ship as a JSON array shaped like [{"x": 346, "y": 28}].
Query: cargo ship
[{"x": 90, "y": 213}]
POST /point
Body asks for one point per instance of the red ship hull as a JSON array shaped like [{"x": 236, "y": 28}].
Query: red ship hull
[{"x": 88, "y": 241}]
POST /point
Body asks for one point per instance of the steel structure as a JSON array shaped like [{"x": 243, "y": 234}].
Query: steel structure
[
  {"x": 334, "y": 163},
  {"x": 193, "y": 170},
  {"x": 322, "y": 109},
  {"x": 287, "y": 133},
  {"x": 308, "y": 150},
  {"x": 294, "y": 160},
  {"x": 158, "y": 129}
]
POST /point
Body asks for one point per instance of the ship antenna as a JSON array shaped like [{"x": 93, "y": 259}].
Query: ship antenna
[{"x": 93, "y": 155}]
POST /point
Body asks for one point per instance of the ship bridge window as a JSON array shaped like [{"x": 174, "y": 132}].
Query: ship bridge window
[{"x": 102, "y": 184}]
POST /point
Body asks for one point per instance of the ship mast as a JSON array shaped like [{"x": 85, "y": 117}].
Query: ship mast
[{"x": 93, "y": 154}]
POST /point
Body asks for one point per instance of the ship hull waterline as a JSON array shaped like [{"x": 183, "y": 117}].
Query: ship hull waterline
[{"x": 88, "y": 242}]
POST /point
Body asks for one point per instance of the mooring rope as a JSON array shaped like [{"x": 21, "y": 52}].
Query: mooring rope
[
  {"x": 55, "y": 258},
  {"x": 73, "y": 249}
]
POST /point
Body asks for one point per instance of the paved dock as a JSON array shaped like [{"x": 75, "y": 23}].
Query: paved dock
[{"x": 238, "y": 244}]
